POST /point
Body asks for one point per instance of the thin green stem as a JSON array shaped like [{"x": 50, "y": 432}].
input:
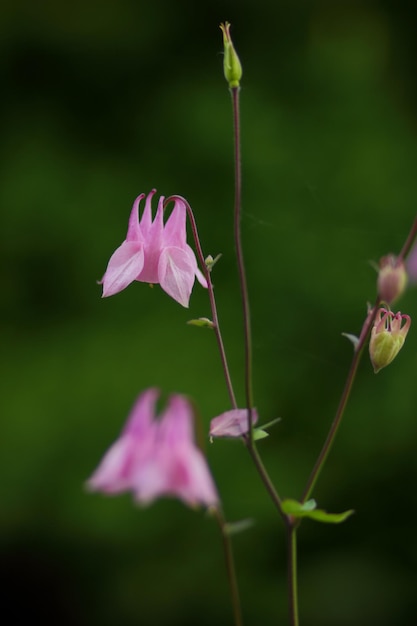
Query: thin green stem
[
  {"x": 292, "y": 573},
  {"x": 327, "y": 446},
  {"x": 253, "y": 451},
  {"x": 240, "y": 259},
  {"x": 409, "y": 241},
  {"x": 230, "y": 568},
  {"x": 213, "y": 306}
]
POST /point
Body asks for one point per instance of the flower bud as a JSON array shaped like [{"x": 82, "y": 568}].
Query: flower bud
[
  {"x": 387, "y": 337},
  {"x": 392, "y": 278},
  {"x": 231, "y": 64}
]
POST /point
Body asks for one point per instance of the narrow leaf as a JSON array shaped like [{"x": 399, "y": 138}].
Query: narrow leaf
[
  {"x": 201, "y": 322},
  {"x": 352, "y": 338},
  {"x": 258, "y": 433},
  {"x": 308, "y": 509}
]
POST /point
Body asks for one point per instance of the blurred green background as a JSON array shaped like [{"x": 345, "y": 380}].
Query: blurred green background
[{"x": 104, "y": 100}]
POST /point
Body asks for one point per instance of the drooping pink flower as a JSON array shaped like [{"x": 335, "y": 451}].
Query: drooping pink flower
[
  {"x": 233, "y": 423},
  {"x": 156, "y": 458},
  {"x": 154, "y": 252}
]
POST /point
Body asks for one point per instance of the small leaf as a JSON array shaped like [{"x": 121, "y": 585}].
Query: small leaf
[
  {"x": 259, "y": 433},
  {"x": 299, "y": 509},
  {"x": 233, "y": 528},
  {"x": 352, "y": 338},
  {"x": 271, "y": 423},
  {"x": 308, "y": 509},
  {"x": 330, "y": 518},
  {"x": 201, "y": 322}
]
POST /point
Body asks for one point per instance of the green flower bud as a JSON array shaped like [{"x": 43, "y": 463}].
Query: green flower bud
[
  {"x": 392, "y": 278},
  {"x": 231, "y": 64},
  {"x": 387, "y": 337}
]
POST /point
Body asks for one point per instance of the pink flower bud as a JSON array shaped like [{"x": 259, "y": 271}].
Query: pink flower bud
[
  {"x": 392, "y": 278},
  {"x": 233, "y": 423}
]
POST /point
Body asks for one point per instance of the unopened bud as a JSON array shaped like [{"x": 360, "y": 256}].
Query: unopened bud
[
  {"x": 231, "y": 64},
  {"x": 392, "y": 278},
  {"x": 387, "y": 337}
]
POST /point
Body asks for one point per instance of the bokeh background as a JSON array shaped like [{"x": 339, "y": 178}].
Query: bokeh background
[{"x": 104, "y": 100}]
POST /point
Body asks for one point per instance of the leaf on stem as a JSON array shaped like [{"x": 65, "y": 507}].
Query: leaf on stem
[
  {"x": 352, "y": 338},
  {"x": 308, "y": 509},
  {"x": 201, "y": 322},
  {"x": 259, "y": 433}
]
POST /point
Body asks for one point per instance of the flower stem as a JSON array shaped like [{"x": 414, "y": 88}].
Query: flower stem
[
  {"x": 230, "y": 567},
  {"x": 292, "y": 573},
  {"x": 409, "y": 241},
  {"x": 253, "y": 451},
  {"x": 240, "y": 259},
  {"x": 327, "y": 446},
  {"x": 213, "y": 306}
]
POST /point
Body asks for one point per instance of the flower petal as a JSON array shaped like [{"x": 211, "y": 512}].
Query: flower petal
[
  {"x": 232, "y": 423},
  {"x": 113, "y": 475},
  {"x": 178, "y": 468},
  {"x": 176, "y": 273},
  {"x": 124, "y": 267},
  {"x": 175, "y": 232},
  {"x": 131, "y": 451},
  {"x": 133, "y": 229}
]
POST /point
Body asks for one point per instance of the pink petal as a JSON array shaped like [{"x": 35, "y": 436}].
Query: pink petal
[
  {"x": 113, "y": 475},
  {"x": 141, "y": 416},
  {"x": 131, "y": 451},
  {"x": 175, "y": 232},
  {"x": 133, "y": 229},
  {"x": 232, "y": 423},
  {"x": 124, "y": 267},
  {"x": 178, "y": 468},
  {"x": 146, "y": 219},
  {"x": 176, "y": 272},
  {"x": 201, "y": 278}
]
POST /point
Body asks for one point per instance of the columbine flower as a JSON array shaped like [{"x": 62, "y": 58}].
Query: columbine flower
[
  {"x": 387, "y": 337},
  {"x": 157, "y": 458},
  {"x": 232, "y": 423},
  {"x": 154, "y": 252}
]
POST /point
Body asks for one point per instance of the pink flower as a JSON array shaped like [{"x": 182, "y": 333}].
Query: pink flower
[
  {"x": 154, "y": 252},
  {"x": 157, "y": 458},
  {"x": 232, "y": 423}
]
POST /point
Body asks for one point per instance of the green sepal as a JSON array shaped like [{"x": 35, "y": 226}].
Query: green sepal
[
  {"x": 308, "y": 509},
  {"x": 201, "y": 322},
  {"x": 259, "y": 433}
]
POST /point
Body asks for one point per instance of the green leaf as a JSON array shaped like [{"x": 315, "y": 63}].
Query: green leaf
[
  {"x": 258, "y": 433},
  {"x": 352, "y": 338},
  {"x": 308, "y": 509},
  {"x": 201, "y": 322}
]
